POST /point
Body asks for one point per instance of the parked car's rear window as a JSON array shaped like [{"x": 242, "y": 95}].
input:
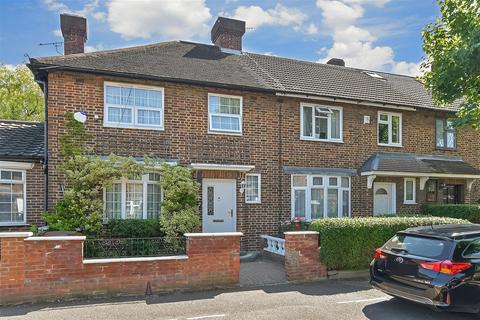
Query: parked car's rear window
[{"x": 419, "y": 246}]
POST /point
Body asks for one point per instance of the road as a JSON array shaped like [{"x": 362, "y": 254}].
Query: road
[{"x": 338, "y": 300}]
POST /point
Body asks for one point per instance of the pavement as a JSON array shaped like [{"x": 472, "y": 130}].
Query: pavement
[
  {"x": 328, "y": 299},
  {"x": 263, "y": 271}
]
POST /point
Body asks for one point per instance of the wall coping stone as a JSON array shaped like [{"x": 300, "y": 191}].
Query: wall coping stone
[
  {"x": 57, "y": 238},
  {"x": 214, "y": 234},
  {"x": 136, "y": 259},
  {"x": 15, "y": 234},
  {"x": 293, "y": 233}
]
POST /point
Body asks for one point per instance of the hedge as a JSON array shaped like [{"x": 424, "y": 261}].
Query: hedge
[
  {"x": 134, "y": 228},
  {"x": 349, "y": 243},
  {"x": 470, "y": 212}
]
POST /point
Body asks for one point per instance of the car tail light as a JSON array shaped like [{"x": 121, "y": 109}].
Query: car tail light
[
  {"x": 447, "y": 266},
  {"x": 379, "y": 254}
]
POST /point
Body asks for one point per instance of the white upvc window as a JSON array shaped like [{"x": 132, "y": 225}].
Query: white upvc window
[
  {"x": 133, "y": 106},
  {"x": 409, "y": 191},
  {"x": 12, "y": 197},
  {"x": 389, "y": 129},
  {"x": 224, "y": 114},
  {"x": 133, "y": 198},
  {"x": 253, "y": 188},
  {"x": 322, "y": 123},
  {"x": 319, "y": 196}
]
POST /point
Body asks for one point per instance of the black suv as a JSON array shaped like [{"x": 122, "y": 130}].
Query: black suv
[{"x": 438, "y": 266}]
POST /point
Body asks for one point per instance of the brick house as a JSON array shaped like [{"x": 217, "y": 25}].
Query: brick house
[{"x": 269, "y": 138}]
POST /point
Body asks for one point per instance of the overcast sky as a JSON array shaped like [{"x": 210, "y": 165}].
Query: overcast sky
[{"x": 382, "y": 35}]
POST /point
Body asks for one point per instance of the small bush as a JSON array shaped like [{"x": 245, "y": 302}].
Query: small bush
[
  {"x": 349, "y": 243},
  {"x": 470, "y": 212},
  {"x": 134, "y": 228}
]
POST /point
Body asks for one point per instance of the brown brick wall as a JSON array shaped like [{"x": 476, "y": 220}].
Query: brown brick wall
[
  {"x": 33, "y": 270},
  {"x": 271, "y": 127}
]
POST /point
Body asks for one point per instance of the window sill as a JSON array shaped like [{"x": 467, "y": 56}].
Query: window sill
[
  {"x": 123, "y": 126},
  {"x": 228, "y": 133},
  {"x": 256, "y": 202},
  {"x": 407, "y": 203},
  {"x": 321, "y": 140},
  {"x": 390, "y": 145},
  {"x": 14, "y": 224},
  {"x": 446, "y": 149}
]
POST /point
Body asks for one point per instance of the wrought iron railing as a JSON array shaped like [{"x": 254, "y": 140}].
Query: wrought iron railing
[{"x": 133, "y": 247}]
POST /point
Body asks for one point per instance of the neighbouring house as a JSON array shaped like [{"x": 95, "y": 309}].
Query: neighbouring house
[{"x": 269, "y": 138}]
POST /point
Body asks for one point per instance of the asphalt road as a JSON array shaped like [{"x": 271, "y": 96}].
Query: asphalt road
[{"x": 322, "y": 300}]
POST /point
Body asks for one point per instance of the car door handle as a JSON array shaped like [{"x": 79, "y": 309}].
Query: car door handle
[{"x": 231, "y": 213}]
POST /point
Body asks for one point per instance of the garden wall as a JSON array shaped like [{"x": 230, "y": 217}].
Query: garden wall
[{"x": 45, "y": 268}]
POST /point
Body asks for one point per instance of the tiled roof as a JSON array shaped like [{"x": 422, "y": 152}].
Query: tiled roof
[
  {"x": 201, "y": 63},
  {"x": 21, "y": 140},
  {"x": 409, "y": 162}
]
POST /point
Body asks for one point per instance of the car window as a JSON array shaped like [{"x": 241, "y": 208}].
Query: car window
[
  {"x": 419, "y": 246},
  {"x": 473, "y": 250}
]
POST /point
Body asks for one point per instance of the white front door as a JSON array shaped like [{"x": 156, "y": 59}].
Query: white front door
[
  {"x": 219, "y": 205},
  {"x": 384, "y": 198}
]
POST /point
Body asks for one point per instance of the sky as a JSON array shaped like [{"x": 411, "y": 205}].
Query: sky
[{"x": 381, "y": 35}]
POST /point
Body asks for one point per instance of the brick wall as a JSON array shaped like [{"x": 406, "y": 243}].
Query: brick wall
[
  {"x": 302, "y": 262},
  {"x": 33, "y": 268}
]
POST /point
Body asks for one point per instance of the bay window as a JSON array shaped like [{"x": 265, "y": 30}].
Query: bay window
[
  {"x": 316, "y": 197},
  {"x": 12, "y": 197},
  {"x": 133, "y": 106},
  {"x": 134, "y": 198},
  {"x": 389, "y": 129},
  {"x": 224, "y": 114},
  {"x": 321, "y": 123}
]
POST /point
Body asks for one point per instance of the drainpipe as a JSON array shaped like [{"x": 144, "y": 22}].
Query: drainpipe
[{"x": 45, "y": 151}]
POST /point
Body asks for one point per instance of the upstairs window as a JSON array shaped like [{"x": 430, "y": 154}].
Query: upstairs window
[
  {"x": 321, "y": 123},
  {"x": 133, "y": 106},
  {"x": 224, "y": 114},
  {"x": 12, "y": 197},
  {"x": 389, "y": 129},
  {"x": 445, "y": 134},
  {"x": 134, "y": 198}
]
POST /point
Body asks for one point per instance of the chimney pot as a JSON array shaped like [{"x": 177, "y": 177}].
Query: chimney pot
[
  {"x": 74, "y": 31},
  {"x": 336, "y": 62},
  {"x": 227, "y": 33}
]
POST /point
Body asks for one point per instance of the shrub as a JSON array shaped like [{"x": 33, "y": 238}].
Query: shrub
[
  {"x": 470, "y": 212},
  {"x": 134, "y": 228},
  {"x": 348, "y": 244}
]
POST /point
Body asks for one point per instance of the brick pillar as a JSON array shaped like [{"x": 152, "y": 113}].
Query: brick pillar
[
  {"x": 12, "y": 262},
  {"x": 302, "y": 262},
  {"x": 213, "y": 258}
]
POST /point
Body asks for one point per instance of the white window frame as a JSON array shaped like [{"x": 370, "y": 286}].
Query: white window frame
[
  {"x": 259, "y": 177},
  {"x": 134, "y": 124},
  {"x": 414, "y": 191},
  {"x": 325, "y": 186},
  {"x": 390, "y": 128},
  {"x": 24, "y": 183},
  {"x": 238, "y": 116},
  {"x": 145, "y": 181},
  {"x": 329, "y": 123}
]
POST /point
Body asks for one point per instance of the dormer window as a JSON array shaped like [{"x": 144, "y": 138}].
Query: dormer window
[{"x": 321, "y": 123}]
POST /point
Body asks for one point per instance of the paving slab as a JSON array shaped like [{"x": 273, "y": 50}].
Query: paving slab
[{"x": 263, "y": 271}]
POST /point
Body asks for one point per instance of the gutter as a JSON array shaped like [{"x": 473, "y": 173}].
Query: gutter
[{"x": 45, "y": 144}]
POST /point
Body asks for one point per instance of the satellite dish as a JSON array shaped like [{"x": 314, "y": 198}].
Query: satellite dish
[{"x": 80, "y": 116}]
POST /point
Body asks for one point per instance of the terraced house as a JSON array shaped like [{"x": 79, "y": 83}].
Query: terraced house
[{"x": 269, "y": 138}]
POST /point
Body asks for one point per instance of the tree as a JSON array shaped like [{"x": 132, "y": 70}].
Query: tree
[
  {"x": 20, "y": 97},
  {"x": 452, "y": 68}
]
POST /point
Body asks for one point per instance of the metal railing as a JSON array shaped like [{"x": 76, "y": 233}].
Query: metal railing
[{"x": 133, "y": 247}]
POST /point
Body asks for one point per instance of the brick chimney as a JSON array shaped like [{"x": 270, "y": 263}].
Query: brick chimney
[
  {"x": 74, "y": 31},
  {"x": 227, "y": 34}
]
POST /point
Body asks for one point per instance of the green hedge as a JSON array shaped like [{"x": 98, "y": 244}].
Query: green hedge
[
  {"x": 134, "y": 228},
  {"x": 349, "y": 244},
  {"x": 470, "y": 212}
]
